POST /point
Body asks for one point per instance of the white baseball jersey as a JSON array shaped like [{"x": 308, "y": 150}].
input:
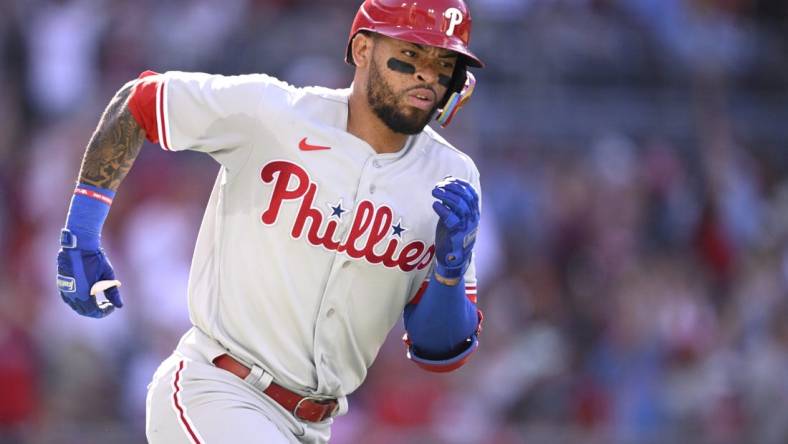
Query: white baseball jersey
[{"x": 312, "y": 243}]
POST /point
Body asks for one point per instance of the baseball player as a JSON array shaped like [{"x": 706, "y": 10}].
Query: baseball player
[{"x": 334, "y": 213}]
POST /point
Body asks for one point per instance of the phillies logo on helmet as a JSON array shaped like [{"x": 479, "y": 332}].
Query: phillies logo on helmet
[
  {"x": 442, "y": 23},
  {"x": 454, "y": 16},
  {"x": 291, "y": 182}
]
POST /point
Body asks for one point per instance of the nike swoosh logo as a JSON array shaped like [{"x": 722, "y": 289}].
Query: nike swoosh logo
[{"x": 304, "y": 146}]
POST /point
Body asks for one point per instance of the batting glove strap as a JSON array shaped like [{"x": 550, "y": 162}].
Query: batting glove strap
[
  {"x": 67, "y": 239},
  {"x": 453, "y": 272}
]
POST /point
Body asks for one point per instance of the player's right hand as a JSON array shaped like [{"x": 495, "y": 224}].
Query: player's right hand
[{"x": 81, "y": 274}]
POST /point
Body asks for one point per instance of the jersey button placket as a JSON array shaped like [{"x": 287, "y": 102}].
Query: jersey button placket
[
  {"x": 368, "y": 175},
  {"x": 377, "y": 164}
]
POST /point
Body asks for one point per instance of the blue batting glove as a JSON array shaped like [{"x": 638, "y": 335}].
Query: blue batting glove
[
  {"x": 83, "y": 269},
  {"x": 82, "y": 273},
  {"x": 458, "y": 221}
]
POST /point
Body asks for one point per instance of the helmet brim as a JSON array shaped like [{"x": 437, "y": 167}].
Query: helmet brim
[{"x": 428, "y": 38}]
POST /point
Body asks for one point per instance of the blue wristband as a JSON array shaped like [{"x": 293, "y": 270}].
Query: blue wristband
[{"x": 87, "y": 213}]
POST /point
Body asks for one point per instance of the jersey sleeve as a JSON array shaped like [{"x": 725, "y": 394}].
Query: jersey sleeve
[{"x": 215, "y": 114}]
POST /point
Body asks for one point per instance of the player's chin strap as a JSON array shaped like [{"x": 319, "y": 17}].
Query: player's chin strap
[{"x": 456, "y": 101}]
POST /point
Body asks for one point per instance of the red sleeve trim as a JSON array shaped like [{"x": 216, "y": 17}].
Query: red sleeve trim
[
  {"x": 470, "y": 292},
  {"x": 163, "y": 113},
  {"x": 417, "y": 297},
  {"x": 145, "y": 105}
]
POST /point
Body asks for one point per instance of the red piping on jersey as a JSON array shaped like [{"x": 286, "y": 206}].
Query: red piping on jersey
[
  {"x": 161, "y": 104},
  {"x": 143, "y": 105},
  {"x": 179, "y": 408}
]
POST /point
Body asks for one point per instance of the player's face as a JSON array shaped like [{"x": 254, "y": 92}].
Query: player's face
[{"x": 406, "y": 82}]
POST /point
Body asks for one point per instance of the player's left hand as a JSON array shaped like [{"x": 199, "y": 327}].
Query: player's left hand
[
  {"x": 82, "y": 274},
  {"x": 458, "y": 222}
]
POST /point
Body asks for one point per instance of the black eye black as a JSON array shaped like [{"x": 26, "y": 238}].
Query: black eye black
[{"x": 409, "y": 53}]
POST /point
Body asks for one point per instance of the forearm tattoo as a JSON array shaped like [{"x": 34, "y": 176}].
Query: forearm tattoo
[{"x": 114, "y": 145}]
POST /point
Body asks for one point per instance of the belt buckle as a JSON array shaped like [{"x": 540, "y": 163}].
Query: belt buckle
[{"x": 318, "y": 400}]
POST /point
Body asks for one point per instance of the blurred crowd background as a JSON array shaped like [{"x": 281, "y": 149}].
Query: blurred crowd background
[{"x": 634, "y": 249}]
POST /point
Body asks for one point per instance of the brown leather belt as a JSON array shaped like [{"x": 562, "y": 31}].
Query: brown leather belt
[{"x": 308, "y": 408}]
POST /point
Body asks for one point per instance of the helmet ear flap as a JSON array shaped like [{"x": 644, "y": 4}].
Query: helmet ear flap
[
  {"x": 457, "y": 80},
  {"x": 460, "y": 91}
]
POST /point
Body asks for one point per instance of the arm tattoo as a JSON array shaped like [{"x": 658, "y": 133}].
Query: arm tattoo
[{"x": 114, "y": 145}]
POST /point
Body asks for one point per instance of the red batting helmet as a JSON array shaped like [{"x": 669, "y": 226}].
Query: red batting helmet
[{"x": 442, "y": 23}]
